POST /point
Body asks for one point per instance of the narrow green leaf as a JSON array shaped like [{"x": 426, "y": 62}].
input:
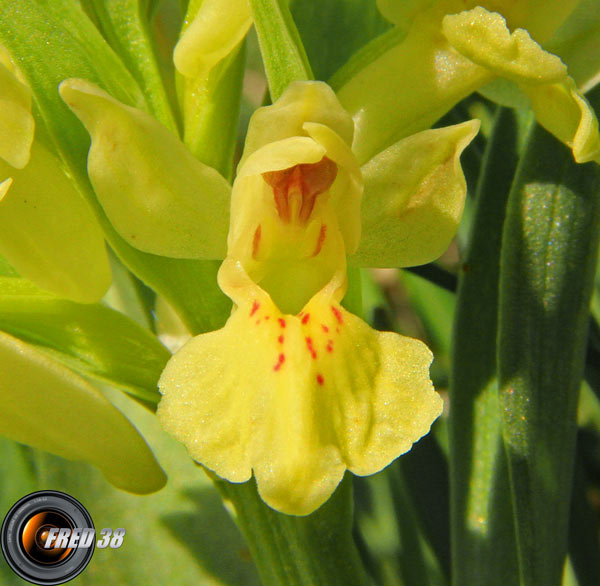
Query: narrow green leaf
[
  {"x": 280, "y": 44},
  {"x": 481, "y": 514},
  {"x": 425, "y": 472},
  {"x": 125, "y": 26},
  {"x": 389, "y": 521},
  {"x": 418, "y": 563},
  {"x": 316, "y": 550},
  {"x": 92, "y": 339},
  {"x": 435, "y": 306},
  {"x": 549, "y": 250}
]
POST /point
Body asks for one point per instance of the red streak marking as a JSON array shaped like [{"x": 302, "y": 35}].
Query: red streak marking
[
  {"x": 320, "y": 379},
  {"x": 281, "y": 322},
  {"x": 280, "y": 339},
  {"x": 311, "y": 349},
  {"x": 307, "y": 180},
  {"x": 337, "y": 330},
  {"x": 280, "y": 361},
  {"x": 325, "y": 328},
  {"x": 267, "y": 317},
  {"x": 329, "y": 345},
  {"x": 256, "y": 242},
  {"x": 255, "y": 306},
  {"x": 306, "y": 318},
  {"x": 321, "y": 239},
  {"x": 338, "y": 314}
]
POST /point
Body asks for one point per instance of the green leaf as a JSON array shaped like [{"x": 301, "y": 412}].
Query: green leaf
[
  {"x": 549, "y": 250},
  {"x": 46, "y": 405},
  {"x": 344, "y": 26},
  {"x": 93, "y": 340},
  {"x": 280, "y": 44},
  {"x": 389, "y": 521},
  {"x": 481, "y": 514},
  {"x": 126, "y": 28}
]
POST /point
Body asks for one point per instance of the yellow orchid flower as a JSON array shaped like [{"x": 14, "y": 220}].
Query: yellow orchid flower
[
  {"x": 444, "y": 50},
  {"x": 294, "y": 388},
  {"x": 47, "y": 231}
]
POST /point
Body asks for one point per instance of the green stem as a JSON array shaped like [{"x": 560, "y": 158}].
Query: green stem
[
  {"x": 317, "y": 550},
  {"x": 280, "y": 44}
]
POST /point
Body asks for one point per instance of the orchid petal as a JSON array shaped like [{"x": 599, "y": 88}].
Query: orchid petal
[
  {"x": 451, "y": 49},
  {"x": 408, "y": 88},
  {"x": 414, "y": 197},
  {"x": 156, "y": 194},
  {"x": 297, "y": 399},
  {"x": 302, "y": 102},
  {"x": 484, "y": 38},
  {"x": 564, "y": 112}
]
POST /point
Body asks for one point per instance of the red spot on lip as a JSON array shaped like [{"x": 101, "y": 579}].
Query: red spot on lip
[
  {"x": 280, "y": 361},
  {"x": 338, "y": 314},
  {"x": 329, "y": 345},
  {"x": 281, "y": 322},
  {"x": 311, "y": 348},
  {"x": 280, "y": 339},
  {"x": 306, "y": 318},
  {"x": 255, "y": 306},
  {"x": 325, "y": 328},
  {"x": 320, "y": 379}
]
